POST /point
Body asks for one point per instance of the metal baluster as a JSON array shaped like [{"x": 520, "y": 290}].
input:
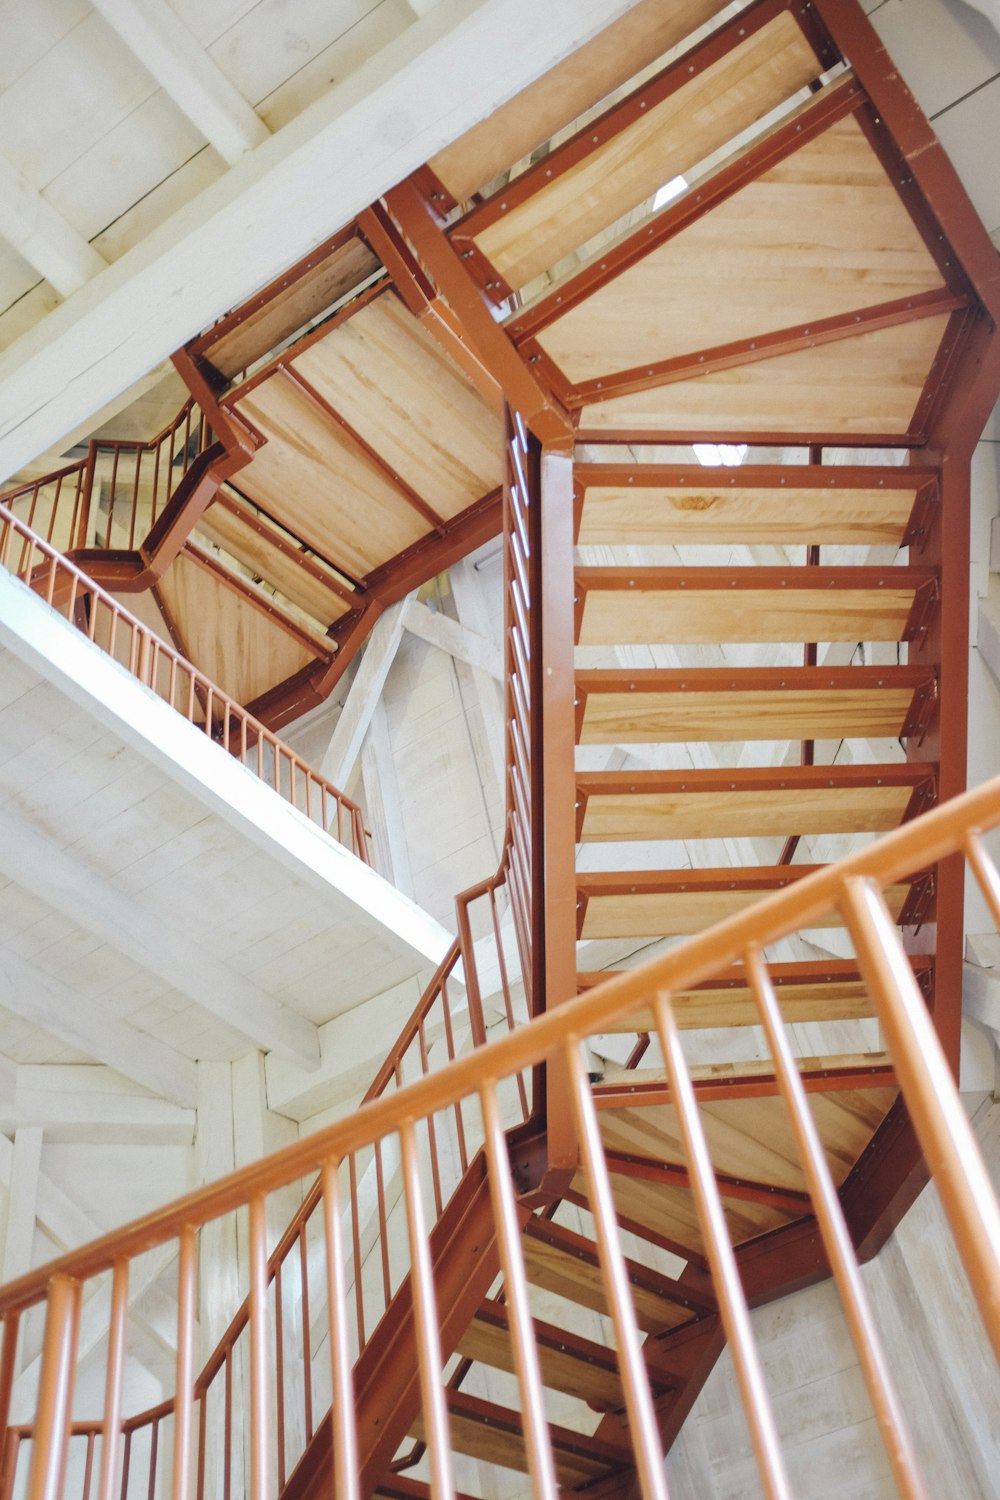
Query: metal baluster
[
  {"x": 537, "y": 1440},
  {"x": 725, "y": 1275},
  {"x": 932, "y": 1097},
  {"x": 436, "y": 1430},
  {"x": 260, "y": 1446},
  {"x": 184, "y": 1390},
  {"x": 638, "y": 1400},
  {"x": 836, "y": 1236},
  {"x": 55, "y": 1400},
  {"x": 111, "y": 1428},
  {"x": 345, "y": 1441}
]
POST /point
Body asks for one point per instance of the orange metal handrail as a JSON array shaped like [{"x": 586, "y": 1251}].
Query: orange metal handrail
[
  {"x": 852, "y": 886},
  {"x": 139, "y": 473},
  {"x": 178, "y": 682}
]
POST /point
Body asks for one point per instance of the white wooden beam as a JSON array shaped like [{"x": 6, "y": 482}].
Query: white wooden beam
[
  {"x": 94, "y": 1029},
  {"x": 457, "y": 640},
  {"x": 362, "y": 695},
  {"x": 382, "y": 803},
  {"x": 25, "y": 1169},
  {"x": 163, "y": 45},
  {"x": 40, "y": 234},
  {"x": 91, "y": 1105},
  {"x": 370, "y": 130},
  {"x": 160, "y": 946}
]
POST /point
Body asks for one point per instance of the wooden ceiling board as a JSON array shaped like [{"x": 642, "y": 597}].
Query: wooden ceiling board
[
  {"x": 234, "y": 643},
  {"x": 340, "y": 272},
  {"x": 249, "y": 547},
  {"x": 868, "y": 385},
  {"x": 673, "y": 516},
  {"x": 669, "y": 139},
  {"x": 822, "y": 235},
  {"x": 312, "y": 480},
  {"x": 753, "y": 1138},
  {"x": 556, "y": 99},
  {"x": 390, "y": 380}
]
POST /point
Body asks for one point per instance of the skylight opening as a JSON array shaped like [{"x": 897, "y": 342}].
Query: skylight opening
[
  {"x": 714, "y": 454},
  {"x": 669, "y": 191}
]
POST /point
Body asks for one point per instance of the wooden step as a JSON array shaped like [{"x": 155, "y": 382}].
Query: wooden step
[
  {"x": 620, "y": 606},
  {"x": 576, "y": 1366},
  {"x": 750, "y": 1078},
  {"x": 658, "y": 504},
  {"x": 725, "y": 705},
  {"x": 619, "y": 805},
  {"x": 678, "y": 903},
  {"x": 567, "y": 1264},
  {"x": 831, "y": 991},
  {"x": 495, "y": 1435}
]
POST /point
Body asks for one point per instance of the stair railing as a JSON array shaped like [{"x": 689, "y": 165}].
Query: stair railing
[
  {"x": 395, "y": 1119},
  {"x": 113, "y": 497},
  {"x": 177, "y": 681}
]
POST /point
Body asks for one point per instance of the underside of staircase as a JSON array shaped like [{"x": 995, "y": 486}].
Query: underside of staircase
[{"x": 732, "y": 232}]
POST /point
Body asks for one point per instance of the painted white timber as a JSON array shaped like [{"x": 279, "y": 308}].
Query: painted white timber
[
  {"x": 382, "y": 803},
  {"x": 163, "y": 948},
  {"x": 366, "y": 688},
  {"x": 988, "y": 628},
  {"x": 40, "y": 234},
  {"x": 93, "y": 1029},
  {"x": 92, "y": 1105},
  {"x": 431, "y": 83},
  {"x": 989, "y": 8},
  {"x": 353, "y": 1047},
  {"x": 215, "y": 1158},
  {"x": 457, "y": 640},
  {"x": 62, "y": 1219},
  {"x": 473, "y": 612},
  {"x": 22, "y": 1201},
  {"x": 183, "y": 69},
  {"x": 981, "y": 996},
  {"x": 113, "y": 697}
]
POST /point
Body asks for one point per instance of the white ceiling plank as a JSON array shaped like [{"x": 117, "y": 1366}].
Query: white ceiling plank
[
  {"x": 94, "y": 1030},
  {"x": 91, "y": 1105},
  {"x": 370, "y": 130},
  {"x": 382, "y": 803},
  {"x": 366, "y": 688},
  {"x": 40, "y": 234},
  {"x": 162, "y": 43},
  {"x": 160, "y": 946}
]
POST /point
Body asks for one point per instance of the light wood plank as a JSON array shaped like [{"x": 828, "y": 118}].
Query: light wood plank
[
  {"x": 681, "y": 913},
  {"x": 495, "y": 1436},
  {"x": 592, "y": 72},
  {"x": 847, "y": 1000},
  {"x": 673, "y": 516},
  {"x": 579, "y": 1279},
  {"x": 670, "y": 1212},
  {"x": 708, "y": 615},
  {"x": 244, "y": 542},
  {"x": 866, "y": 385},
  {"x": 314, "y": 482},
  {"x": 742, "y": 714},
  {"x": 701, "y": 815},
  {"x": 753, "y": 1139},
  {"x": 487, "y": 1340},
  {"x": 393, "y": 383},
  {"x": 821, "y": 235},
  {"x": 233, "y": 642},
  {"x": 290, "y": 309},
  {"x": 669, "y": 139}
]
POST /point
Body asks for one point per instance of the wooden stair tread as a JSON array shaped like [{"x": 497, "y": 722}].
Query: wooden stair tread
[
  {"x": 829, "y": 991},
  {"x": 664, "y": 505},
  {"x": 723, "y": 704},
  {"x": 576, "y": 1366},
  {"x": 622, "y": 805},
  {"x": 677, "y": 903},
  {"x": 560, "y": 1261},
  {"x": 810, "y": 1068},
  {"x": 705, "y": 605},
  {"x": 495, "y": 1435}
]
